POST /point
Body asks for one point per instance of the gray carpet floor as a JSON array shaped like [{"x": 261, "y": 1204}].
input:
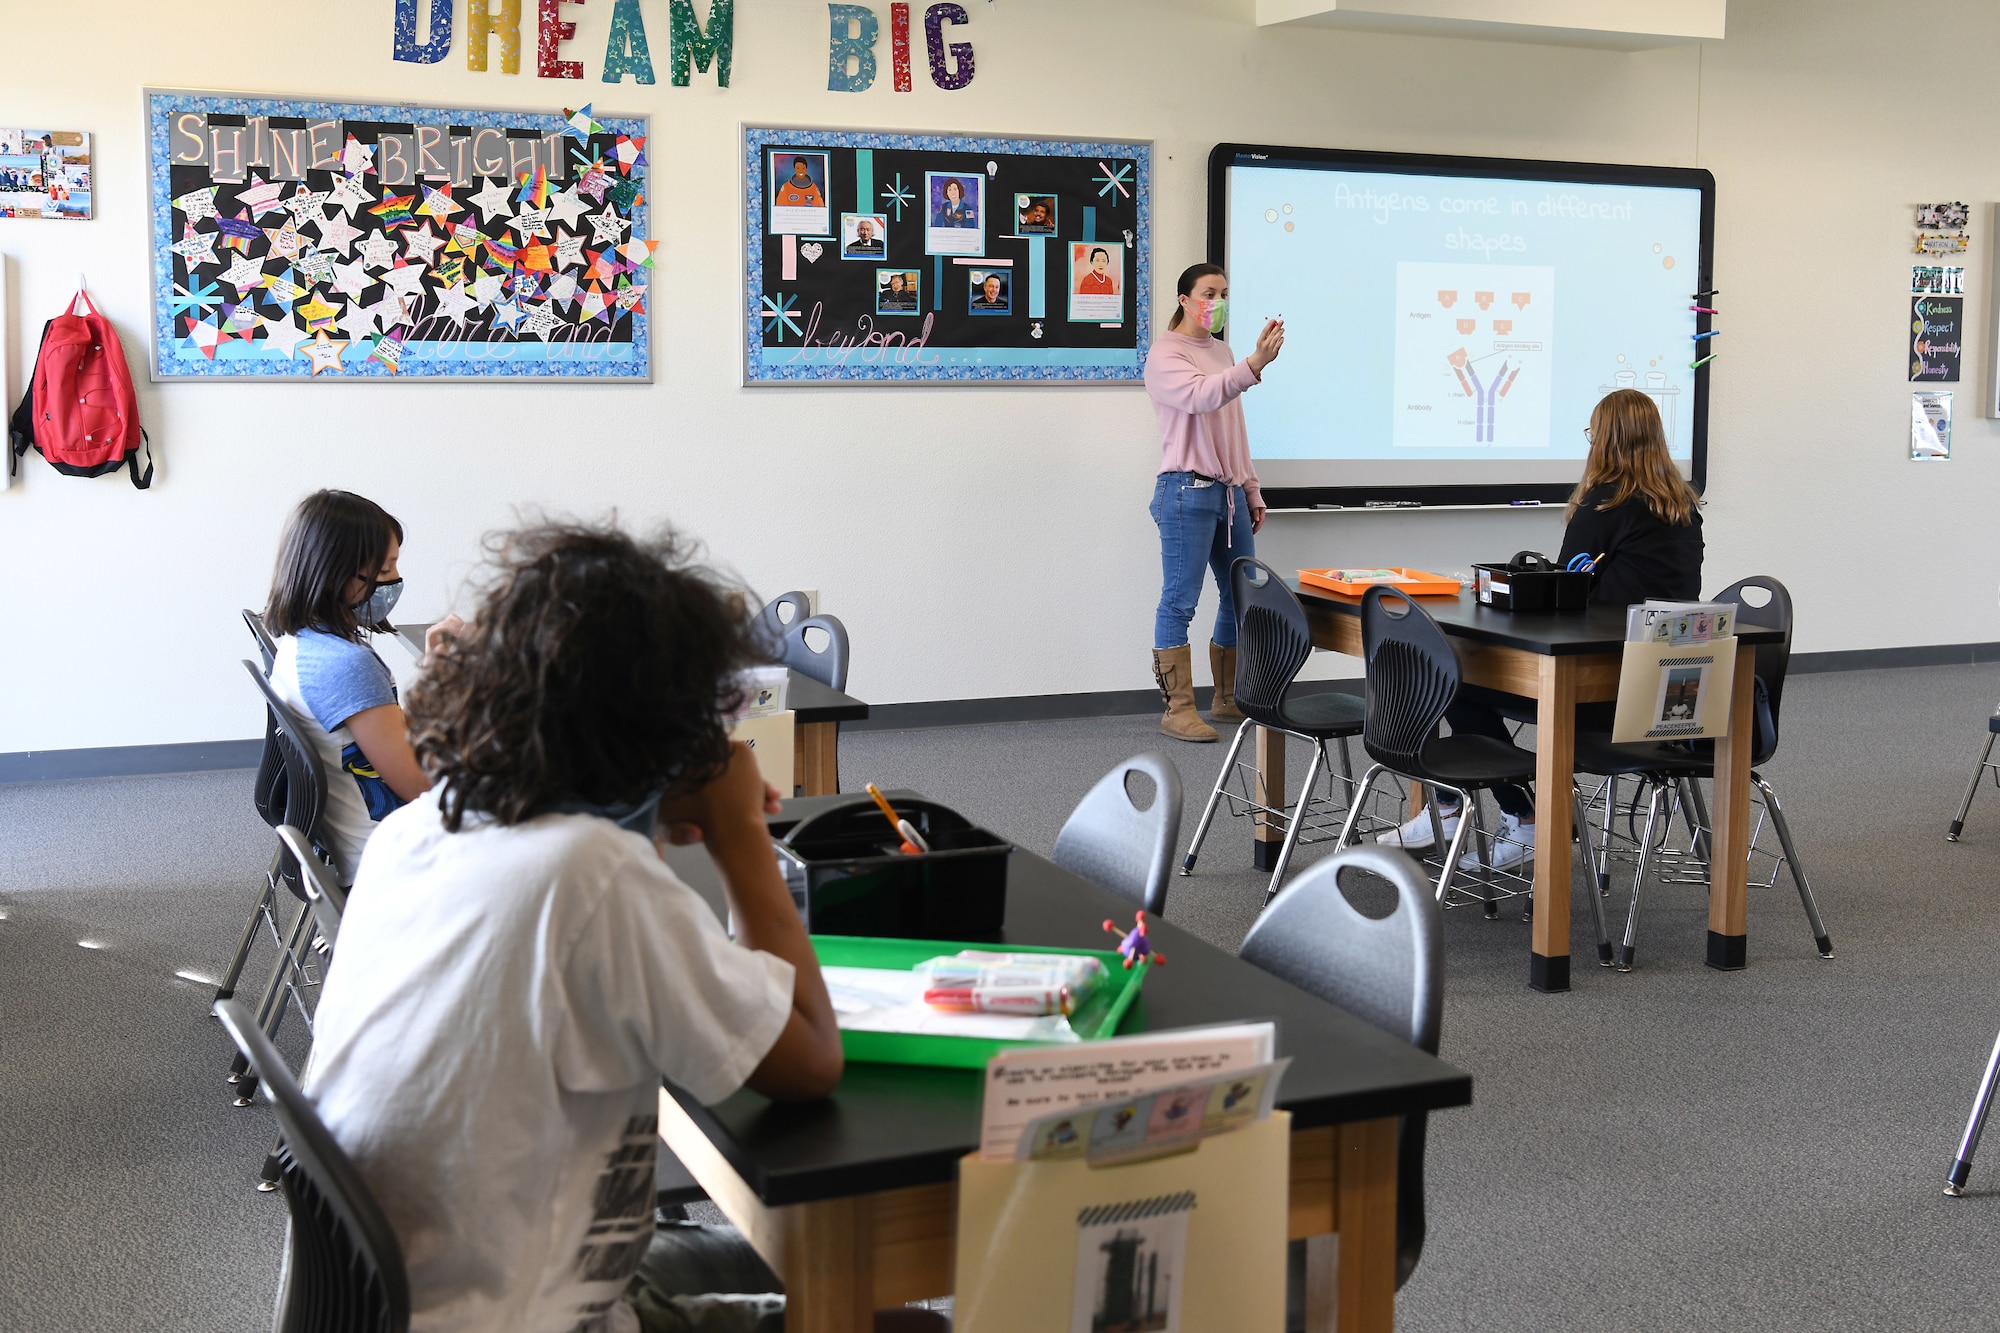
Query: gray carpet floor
[{"x": 1672, "y": 1148}]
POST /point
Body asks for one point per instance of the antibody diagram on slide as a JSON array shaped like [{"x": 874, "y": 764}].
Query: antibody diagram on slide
[{"x": 1473, "y": 355}]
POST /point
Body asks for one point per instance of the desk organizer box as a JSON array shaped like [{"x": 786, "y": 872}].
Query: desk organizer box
[
  {"x": 1415, "y": 582},
  {"x": 848, "y": 876},
  {"x": 1098, "y": 1019}
]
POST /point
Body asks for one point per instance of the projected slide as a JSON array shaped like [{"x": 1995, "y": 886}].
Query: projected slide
[{"x": 1452, "y": 327}]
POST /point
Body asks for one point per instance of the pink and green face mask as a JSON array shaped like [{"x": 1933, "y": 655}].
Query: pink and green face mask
[{"x": 1212, "y": 315}]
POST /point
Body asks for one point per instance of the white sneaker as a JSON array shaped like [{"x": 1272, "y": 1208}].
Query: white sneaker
[
  {"x": 1513, "y": 844},
  {"x": 1415, "y": 833}
]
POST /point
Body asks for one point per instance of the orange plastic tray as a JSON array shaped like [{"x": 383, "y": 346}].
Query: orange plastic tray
[{"x": 1420, "y": 584}]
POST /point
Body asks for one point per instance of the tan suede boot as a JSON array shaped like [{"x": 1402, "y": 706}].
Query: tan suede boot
[
  {"x": 1222, "y": 667},
  {"x": 1173, "y": 668}
]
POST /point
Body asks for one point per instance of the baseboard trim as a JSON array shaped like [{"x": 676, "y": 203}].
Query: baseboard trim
[
  {"x": 126, "y": 761},
  {"x": 1876, "y": 659}
]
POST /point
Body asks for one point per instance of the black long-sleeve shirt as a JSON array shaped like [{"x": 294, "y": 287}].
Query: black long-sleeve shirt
[{"x": 1644, "y": 556}]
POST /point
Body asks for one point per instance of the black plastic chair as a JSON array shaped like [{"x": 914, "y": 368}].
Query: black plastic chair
[
  {"x": 1665, "y": 770},
  {"x": 826, "y": 665},
  {"x": 267, "y": 646},
  {"x": 343, "y": 1265},
  {"x": 1116, "y": 845},
  {"x": 1273, "y": 641},
  {"x": 1979, "y": 770},
  {"x": 1412, "y": 678},
  {"x": 290, "y": 788},
  {"x": 1387, "y": 970}
]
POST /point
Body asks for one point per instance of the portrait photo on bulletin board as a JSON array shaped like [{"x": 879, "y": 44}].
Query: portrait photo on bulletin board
[{"x": 944, "y": 258}]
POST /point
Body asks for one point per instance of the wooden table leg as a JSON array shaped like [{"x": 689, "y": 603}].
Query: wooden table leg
[
  {"x": 1555, "y": 760},
  {"x": 1729, "y": 868},
  {"x": 816, "y": 758},
  {"x": 1366, "y": 1262},
  {"x": 1269, "y": 833}
]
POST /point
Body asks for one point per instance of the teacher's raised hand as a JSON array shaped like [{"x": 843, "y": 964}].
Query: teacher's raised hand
[{"x": 1269, "y": 343}]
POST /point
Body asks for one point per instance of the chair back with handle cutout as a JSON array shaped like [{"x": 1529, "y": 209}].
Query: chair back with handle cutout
[
  {"x": 1388, "y": 971},
  {"x": 1412, "y": 677},
  {"x": 828, "y": 664},
  {"x": 1117, "y": 845},
  {"x": 1273, "y": 640},
  {"x": 1773, "y": 659}
]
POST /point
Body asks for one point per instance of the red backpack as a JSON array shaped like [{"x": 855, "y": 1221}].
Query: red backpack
[{"x": 81, "y": 413}]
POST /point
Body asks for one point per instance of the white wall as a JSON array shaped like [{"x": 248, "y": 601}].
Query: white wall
[{"x": 1012, "y": 555}]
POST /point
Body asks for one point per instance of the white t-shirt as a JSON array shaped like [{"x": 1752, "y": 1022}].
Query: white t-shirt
[{"x": 489, "y": 1047}]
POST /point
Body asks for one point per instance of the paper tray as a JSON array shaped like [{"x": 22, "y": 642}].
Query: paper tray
[
  {"x": 1097, "y": 1019},
  {"x": 1421, "y": 584}
]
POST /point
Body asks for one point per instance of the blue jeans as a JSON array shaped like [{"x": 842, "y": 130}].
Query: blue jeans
[{"x": 1196, "y": 532}]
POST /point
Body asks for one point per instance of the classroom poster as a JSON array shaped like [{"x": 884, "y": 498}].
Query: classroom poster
[
  {"x": 327, "y": 241},
  {"x": 1936, "y": 323},
  {"x": 1930, "y": 427},
  {"x": 896, "y": 257},
  {"x": 45, "y": 174}
]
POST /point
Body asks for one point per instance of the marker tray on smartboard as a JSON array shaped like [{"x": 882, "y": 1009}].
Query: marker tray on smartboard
[{"x": 1354, "y": 582}]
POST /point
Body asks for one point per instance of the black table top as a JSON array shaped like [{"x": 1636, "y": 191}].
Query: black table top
[
  {"x": 1595, "y": 629},
  {"x": 890, "y": 1126},
  {"x": 811, "y": 701}
]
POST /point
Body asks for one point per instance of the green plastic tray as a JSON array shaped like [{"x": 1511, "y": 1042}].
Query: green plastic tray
[{"x": 1098, "y": 1019}]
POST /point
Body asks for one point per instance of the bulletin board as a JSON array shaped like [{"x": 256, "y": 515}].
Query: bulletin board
[
  {"x": 335, "y": 241},
  {"x": 915, "y": 258}
]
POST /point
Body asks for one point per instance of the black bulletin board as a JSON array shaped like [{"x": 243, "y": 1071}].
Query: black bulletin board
[{"x": 864, "y": 264}]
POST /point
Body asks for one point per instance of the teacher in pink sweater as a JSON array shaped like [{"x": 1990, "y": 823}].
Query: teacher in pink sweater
[{"x": 1206, "y": 500}]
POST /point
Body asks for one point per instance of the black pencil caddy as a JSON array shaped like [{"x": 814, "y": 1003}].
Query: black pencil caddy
[
  {"x": 848, "y": 876},
  {"x": 1531, "y": 582}
]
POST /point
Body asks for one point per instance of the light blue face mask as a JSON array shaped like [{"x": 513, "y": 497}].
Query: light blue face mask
[{"x": 374, "y": 609}]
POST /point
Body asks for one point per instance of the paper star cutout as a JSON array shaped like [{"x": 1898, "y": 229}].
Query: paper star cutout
[
  {"x": 378, "y": 251},
  {"x": 239, "y": 319},
  {"x": 565, "y": 207},
  {"x": 281, "y": 291},
  {"x": 452, "y": 303},
  {"x": 422, "y": 243},
  {"x": 357, "y": 158},
  {"x": 286, "y": 243},
  {"x": 362, "y": 320},
  {"x": 594, "y": 180},
  {"x": 638, "y": 254},
  {"x": 388, "y": 351},
  {"x": 338, "y": 234},
  {"x": 580, "y": 125},
  {"x": 568, "y": 250},
  {"x": 532, "y": 190},
  {"x": 239, "y": 231},
  {"x": 631, "y": 297},
  {"x": 526, "y": 285},
  {"x": 466, "y": 240},
  {"x": 244, "y": 272},
  {"x": 448, "y": 271},
  {"x": 198, "y": 204},
  {"x": 351, "y": 279},
  {"x": 283, "y": 336},
  {"x": 350, "y": 193},
  {"x": 261, "y": 198},
  {"x": 319, "y": 316},
  {"x": 439, "y": 204},
  {"x": 486, "y": 289},
  {"x": 205, "y": 336},
  {"x": 324, "y": 355},
  {"x": 493, "y": 199},
  {"x": 604, "y": 266},
  {"x": 394, "y": 210},
  {"x": 504, "y": 253},
  {"x": 405, "y": 279},
  {"x": 595, "y": 303},
  {"x": 531, "y": 222},
  {"x": 390, "y": 310},
  {"x": 507, "y": 315},
  {"x": 196, "y": 247},
  {"x": 624, "y": 194},
  {"x": 315, "y": 266},
  {"x": 562, "y": 287},
  {"x": 535, "y": 258},
  {"x": 631, "y": 152},
  {"x": 607, "y": 228},
  {"x": 307, "y": 206},
  {"x": 542, "y": 321}
]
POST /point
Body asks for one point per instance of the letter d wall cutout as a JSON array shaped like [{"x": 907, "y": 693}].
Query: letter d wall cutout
[{"x": 851, "y": 64}]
